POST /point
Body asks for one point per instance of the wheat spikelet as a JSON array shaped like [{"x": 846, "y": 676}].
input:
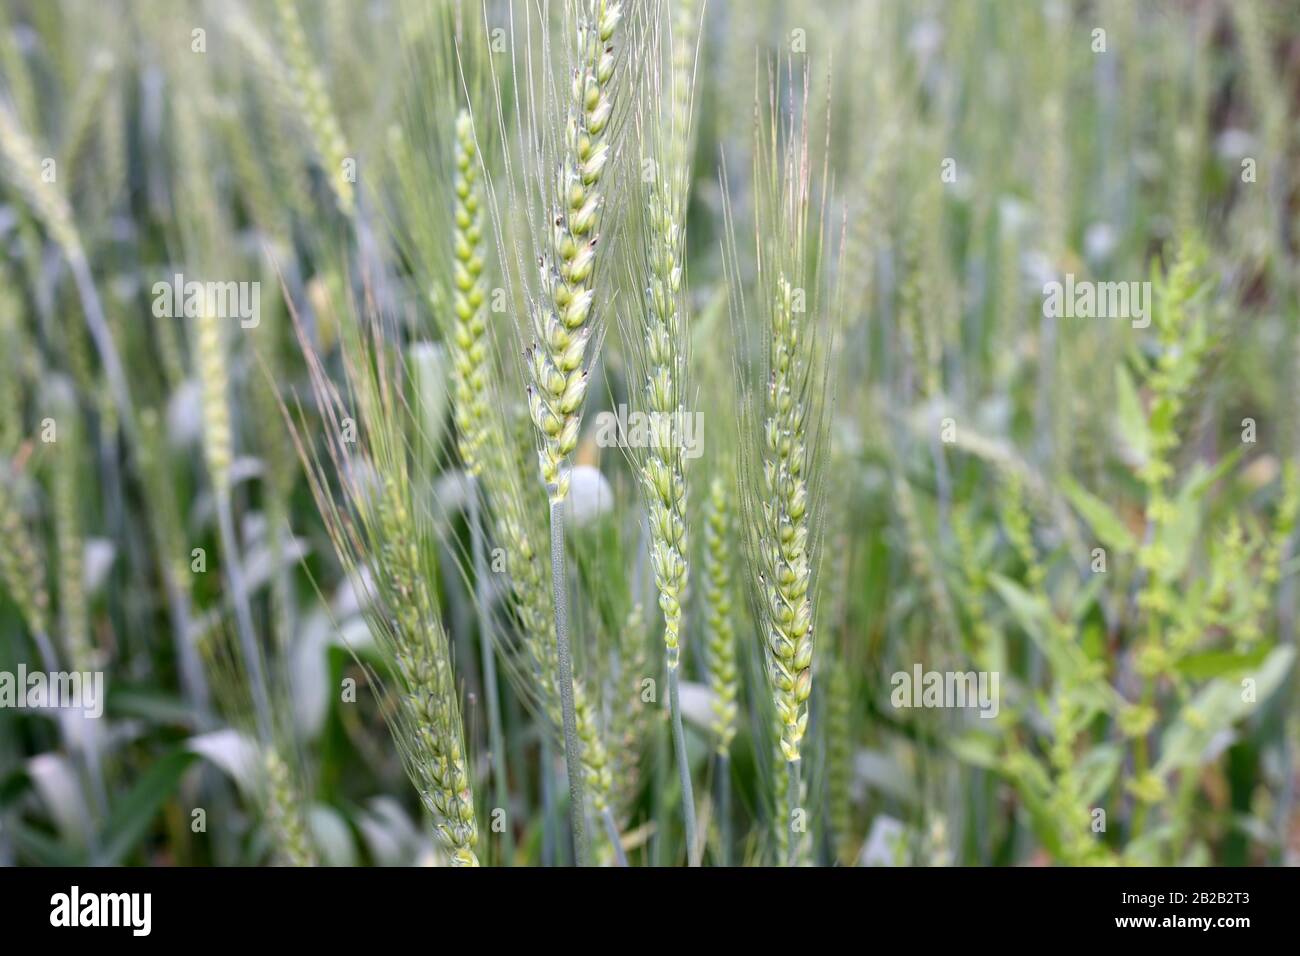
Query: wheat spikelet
[
  {"x": 218, "y": 446},
  {"x": 433, "y": 742}
]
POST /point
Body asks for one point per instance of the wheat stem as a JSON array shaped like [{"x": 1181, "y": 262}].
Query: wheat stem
[
  {"x": 683, "y": 763},
  {"x": 611, "y": 831},
  {"x": 792, "y": 801},
  {"x": 723, "y": 770},
  {"x": 243, "y": 615},
  {"x": 572, "y": 759},
  {"x": 514, "y": 518}
]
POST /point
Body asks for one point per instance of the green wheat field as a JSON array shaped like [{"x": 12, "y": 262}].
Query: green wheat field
[{"x": 649, "y": 432}]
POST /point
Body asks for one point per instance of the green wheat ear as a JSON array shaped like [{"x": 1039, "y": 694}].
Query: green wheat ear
[
  {"x": 659, "y": 340},
  {"x": 308, "y": 88},
  {"x": 566, "y": 322},
  {"x": 22, "y": 164},
  {"x": 785, "y": 537},
  {"x": 21, "y": 569},
  {"x": 285, "y": 811},
  {"x": 378, "y": 524},
  {"x": 214, "y": 382},
  {"x": 785, "y": 390},
  {"x": 471, "y": 352}
]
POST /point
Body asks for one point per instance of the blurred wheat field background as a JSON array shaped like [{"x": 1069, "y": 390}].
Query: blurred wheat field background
[{"x": 649, "y": 432}]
